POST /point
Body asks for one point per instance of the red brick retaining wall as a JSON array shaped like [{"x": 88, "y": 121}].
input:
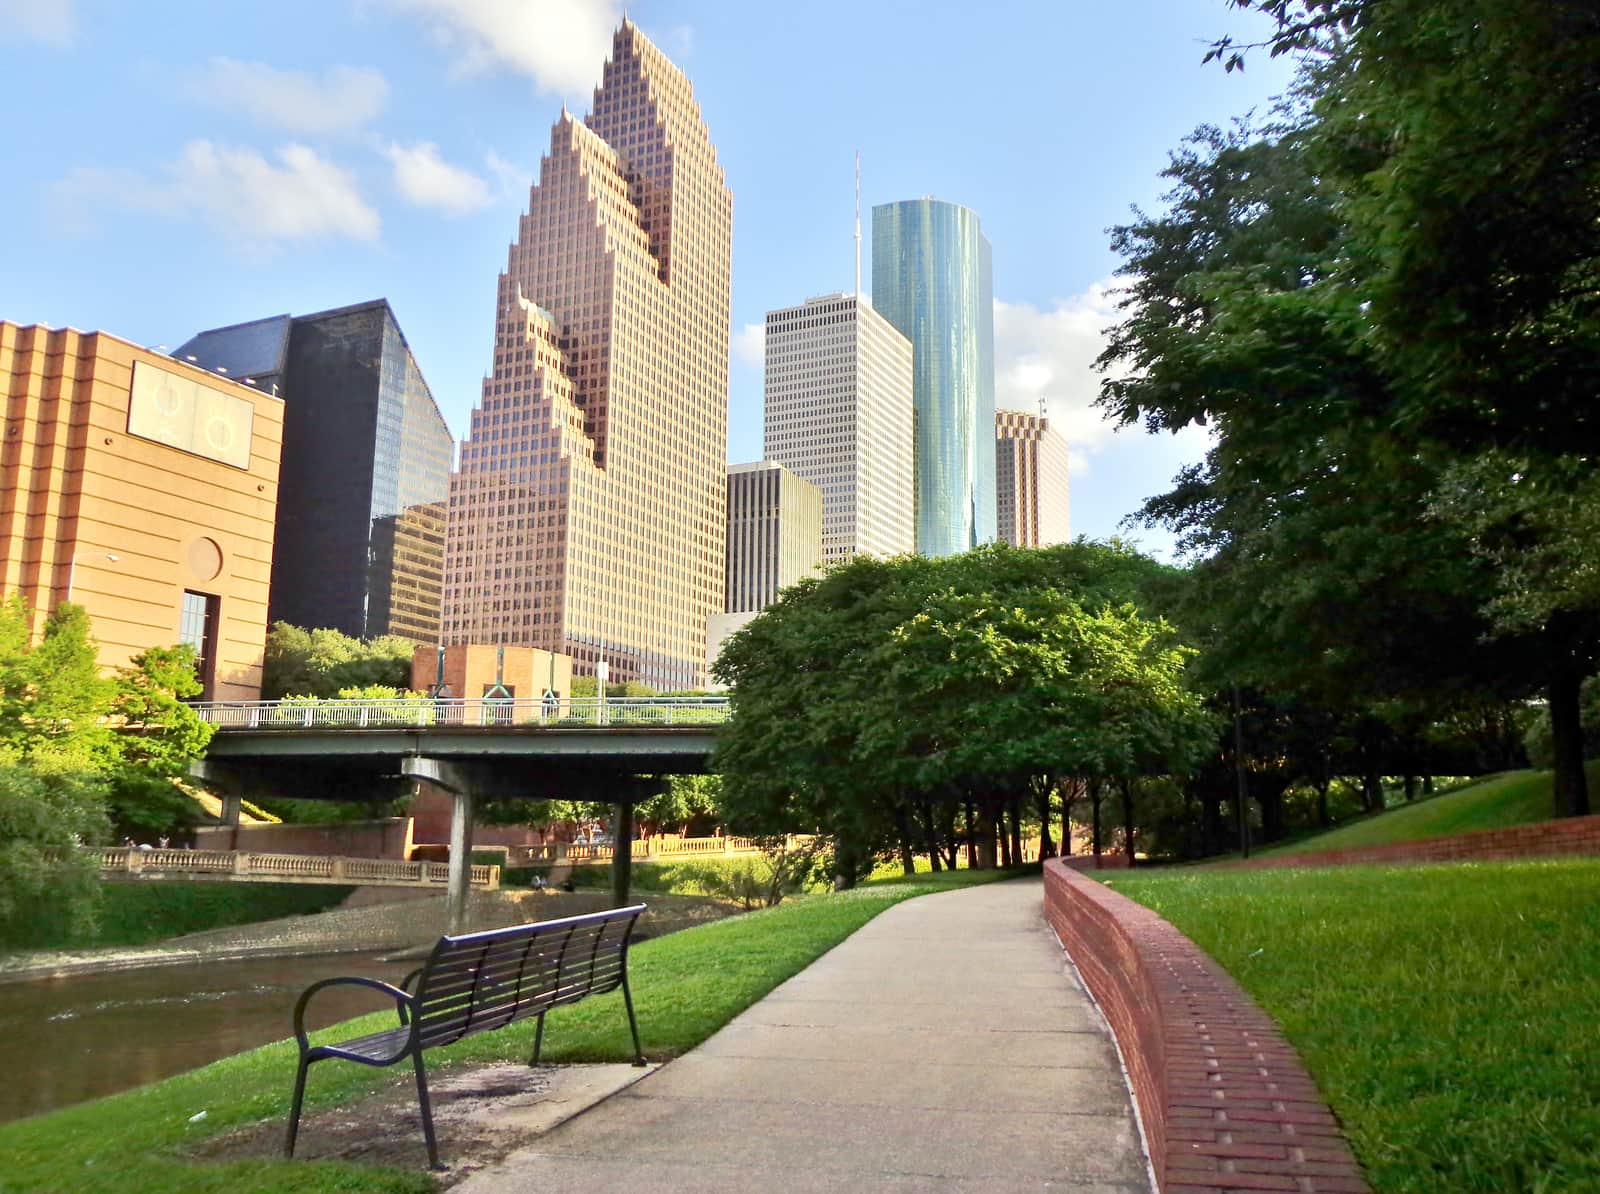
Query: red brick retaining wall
[
  {"x": 1225, "y": 1102},
  {"x": 1565, "y": 838}
]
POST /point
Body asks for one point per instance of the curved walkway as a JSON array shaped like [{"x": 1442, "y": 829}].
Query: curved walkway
[{"x": 942, "y": 1048}]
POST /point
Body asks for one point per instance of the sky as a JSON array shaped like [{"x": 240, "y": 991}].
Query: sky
[{"x": 173, "y": 166}]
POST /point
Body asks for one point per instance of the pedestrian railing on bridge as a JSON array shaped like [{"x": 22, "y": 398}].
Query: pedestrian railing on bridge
[
  {"x": 250, "y": 866},
  {"x": 403, "y": 712}
]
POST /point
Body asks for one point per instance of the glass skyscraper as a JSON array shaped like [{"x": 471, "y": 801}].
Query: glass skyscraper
[
  {"x": 359, "y": 543},
  {"x": 931, "y": 279}
]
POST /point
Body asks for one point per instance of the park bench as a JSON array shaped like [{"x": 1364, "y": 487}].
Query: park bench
[{"x": 478, "y": 982}]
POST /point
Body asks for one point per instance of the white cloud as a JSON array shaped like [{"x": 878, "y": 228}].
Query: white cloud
[
  {"x": 53, "y": 22},
  {"x": 243, "y": 196},
  {"x": 427, "y": 180},
  {"x": 748, "y": 345},
  {"x": 559, "y": 44},
  {"x": 510, "y": 178},
  {"x": 1050, "y": 354},
  {"x": 343, "y": 99}
]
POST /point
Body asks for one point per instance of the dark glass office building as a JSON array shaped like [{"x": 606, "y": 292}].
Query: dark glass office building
[
  {"x": 359, "y": 541},
  {"x": 931, "y": 278}
]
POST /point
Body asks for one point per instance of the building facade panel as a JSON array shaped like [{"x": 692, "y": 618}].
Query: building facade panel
[
  {"x": 1032, "y": 498},
  {"x": 774, "y": 534},
  {"x": 158, "y": 543},
  {"x": 588, "y": 512},
  {"x": 932, "y": 279},
  {"x": 839, "y": 414}
]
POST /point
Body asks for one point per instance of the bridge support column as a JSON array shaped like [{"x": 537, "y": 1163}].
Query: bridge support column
[
  {"x": 631, "y": 790},
  {"x": 621, "y": 852},
  {"x": 467, "y": 782},
  {"x": 460, "y": 863}
]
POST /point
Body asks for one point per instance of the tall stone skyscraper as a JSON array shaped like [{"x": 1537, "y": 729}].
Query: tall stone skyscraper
[
  {"x": 931, "y": 279},
  {"x": 589, "y": 510},
  {"x": 838, "y": 413}
]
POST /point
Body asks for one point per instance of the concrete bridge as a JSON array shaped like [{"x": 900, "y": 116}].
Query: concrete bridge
[{"x": 613, "y": 750}]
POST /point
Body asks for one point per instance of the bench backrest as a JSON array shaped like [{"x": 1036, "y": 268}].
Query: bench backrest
[{"x": 480, "y": 981}]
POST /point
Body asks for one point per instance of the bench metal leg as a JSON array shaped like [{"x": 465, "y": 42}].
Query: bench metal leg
[
  {"x": 633, "y": 1024},
  {"x": 294, "y": 1106},
  {"x": 427, "y": 1111},
  {"x": 538, "y": 1040}
]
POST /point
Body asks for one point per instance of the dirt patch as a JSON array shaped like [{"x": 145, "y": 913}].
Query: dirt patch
[{"x": 480, "y": 1113}]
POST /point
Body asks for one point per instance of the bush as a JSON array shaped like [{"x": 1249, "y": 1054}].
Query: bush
[{"x": 47, "y": 889}]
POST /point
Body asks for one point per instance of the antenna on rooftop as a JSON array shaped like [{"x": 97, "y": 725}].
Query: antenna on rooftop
[{"x": 858, "y": 226}]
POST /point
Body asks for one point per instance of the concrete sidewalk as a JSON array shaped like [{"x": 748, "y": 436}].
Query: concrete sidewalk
[{"x": 942, "y": 1048}]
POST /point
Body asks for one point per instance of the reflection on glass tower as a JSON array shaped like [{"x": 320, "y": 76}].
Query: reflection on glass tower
[
  {"x": 931, "y": 279},
  {"x": 359, "y": 539}
]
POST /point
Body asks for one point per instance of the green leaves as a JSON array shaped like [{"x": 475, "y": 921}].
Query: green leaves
[{"x": 893, "y": 681}]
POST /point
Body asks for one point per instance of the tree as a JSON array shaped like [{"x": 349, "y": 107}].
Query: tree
[
  {"x": 1463, "y": 138},
  {"x": 53, "y": 700},
  {"x": 865, "y": 696},
  {"x": 319, "y": 663}
]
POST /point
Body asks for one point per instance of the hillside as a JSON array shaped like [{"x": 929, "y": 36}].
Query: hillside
[{"x": 1508, "y": 798}]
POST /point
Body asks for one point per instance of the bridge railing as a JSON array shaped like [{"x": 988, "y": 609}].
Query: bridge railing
[
  {"x": 259, "y": 867},
  {"x": 303, "y": 713}
]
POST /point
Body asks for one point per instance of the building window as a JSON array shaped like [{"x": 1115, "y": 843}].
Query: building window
[{"x": 197, "y": 626}]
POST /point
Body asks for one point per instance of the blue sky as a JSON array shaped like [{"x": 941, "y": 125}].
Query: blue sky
[{"x": 172, "y": 166}]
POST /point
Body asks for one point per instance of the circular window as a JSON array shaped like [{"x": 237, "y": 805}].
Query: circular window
[{"x": 205, "y": 559}]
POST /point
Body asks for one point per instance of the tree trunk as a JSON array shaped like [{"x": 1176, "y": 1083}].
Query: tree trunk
[
  {"x": 1047, "y": 847},
  {"x": 902, "y": 826},
  {"x": 1566, "y": 737},
  {"x": 1411, "y": 788},
  {"x": 1371, "y": 782},
  {"x": 1006, "y": 857},
  {"x": 1427, "y": 785},
  {"x": 1014, "y": 808},
  {"x": 972, "y": 836},
  {"x": 930, "y": 837},
  {"x": 1324, "y": 779},
  {"x": 987, "y": 859},
  {"x": 1127, "y": 819},
  {"x": 1094, "y": 822}
]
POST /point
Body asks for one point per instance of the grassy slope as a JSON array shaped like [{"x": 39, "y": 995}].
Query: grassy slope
[
  {"x": 138, "y": 912},
  {"x": 686, "y": 986},
  {"x": 1447, "y": 1013},
  {"x": 1510, "y": 798}
]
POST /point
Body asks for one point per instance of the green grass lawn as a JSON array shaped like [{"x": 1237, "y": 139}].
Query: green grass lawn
[
  {"x": 686, "y": 986},
  {"x": 139, "y": 912},
  {"x": 1449, "y": 1013},
  {"x": 1510, "y": 798}
]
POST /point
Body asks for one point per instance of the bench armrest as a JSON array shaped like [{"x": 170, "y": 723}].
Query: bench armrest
[{"x": 402, "y": 1001}]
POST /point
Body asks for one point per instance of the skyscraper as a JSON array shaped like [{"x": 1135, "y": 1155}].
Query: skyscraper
[
  {"x": 838, "y": 413},
  {"x": 1030, "y": 480},
  {"x": 366, "y": 467},
  {"x": 588, "y": 513},
  {"x": 774, "y": 533},
  {"x": 931, "y": 279}
]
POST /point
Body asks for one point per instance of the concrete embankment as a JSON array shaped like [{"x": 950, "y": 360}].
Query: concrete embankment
[{"x": 372, "y": 920}]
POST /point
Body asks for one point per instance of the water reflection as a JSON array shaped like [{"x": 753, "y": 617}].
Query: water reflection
[{"x": 85, "y": 1036}]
